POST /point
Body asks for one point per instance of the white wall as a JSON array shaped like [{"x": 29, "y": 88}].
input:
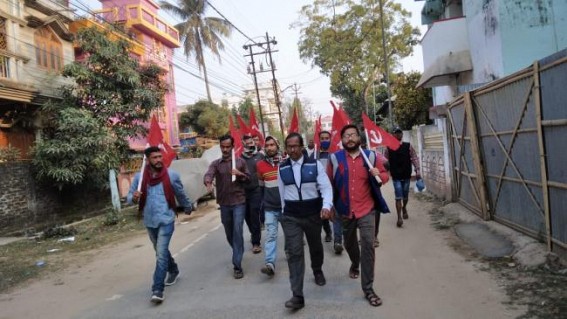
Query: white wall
[{"x": 485, "y": 39}]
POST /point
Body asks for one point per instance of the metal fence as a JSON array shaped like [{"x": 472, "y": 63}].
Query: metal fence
[{"x": 508, "y": 144}]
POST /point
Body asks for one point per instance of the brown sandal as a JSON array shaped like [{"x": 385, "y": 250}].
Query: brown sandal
[
  {"x": 353, "y": 272},
  {"x": 373, "y": 299}
]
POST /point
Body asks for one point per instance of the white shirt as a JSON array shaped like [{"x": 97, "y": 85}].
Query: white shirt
[{"x": 323, "y": 185}]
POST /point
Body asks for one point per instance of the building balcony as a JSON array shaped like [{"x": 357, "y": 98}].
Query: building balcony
[
  {"x": 135, "y": 47},
  {"x": 139, "y": 17},
  {"x": 446, "y": 52},
  {"x": 52, "y": 7}
]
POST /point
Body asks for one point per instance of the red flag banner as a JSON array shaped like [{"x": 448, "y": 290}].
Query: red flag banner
[
  {"x": 155, "y": 138},
  {"x": 238, "y": 148},
  {"x": 255, "y": 128},
  {"x": 317, "y": 131},
  {"x": 294, "y": 124},
  {"x": 244, "y": 129},
  {"x": 340, "y": 119},
  {"x": 377, "y": 136}
]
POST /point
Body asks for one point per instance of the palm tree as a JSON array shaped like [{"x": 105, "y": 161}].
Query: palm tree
[{"x": 198, "y": 32}]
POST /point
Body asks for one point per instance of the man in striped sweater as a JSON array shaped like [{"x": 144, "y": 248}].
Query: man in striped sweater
[{"x": 267, "y": 170}]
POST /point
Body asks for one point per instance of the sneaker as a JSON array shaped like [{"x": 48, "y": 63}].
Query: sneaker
[
  {"x": 157, "y": 297},
  {"x": 320, "y": 278},
  {"x": 338, "y": 248},
  {"x": 238, "y": 274},
  {"x": 256, "y": 249},
  {"x": 295, "y": 302},
  {"x": 172, "y": 278},
  {"x": 269, "y": 270},
  {"x": 328, "y": 238}
]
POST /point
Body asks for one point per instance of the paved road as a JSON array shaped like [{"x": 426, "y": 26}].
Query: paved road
[{"x": 417, "y": 275}]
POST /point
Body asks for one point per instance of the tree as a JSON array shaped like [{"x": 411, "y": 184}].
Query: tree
[
  {"x": 205, "y": 118},
  {"x": 343, "y": 38},
  {"x": 304, "y": 122},
  {"x": 244, "y": 109},
  {"x": 199, "y": 32},
  {"x": 412, "y": 104},
  {"x": 86, "y": 132}
]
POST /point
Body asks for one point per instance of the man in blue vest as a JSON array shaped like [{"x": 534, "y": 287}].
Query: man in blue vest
[
  {"x": 307, "y": 199},
  {"x": 357, "y": 200}
]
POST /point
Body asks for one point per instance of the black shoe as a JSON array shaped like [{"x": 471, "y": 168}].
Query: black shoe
[
  {"x": 338, "y": 248},
  {"x": 238, "y": 274},
  {"x": 157, "y": 297},
  {"x": 172, "y": 279},
  {"x": 328, "y": 238},
  {"x": 320, "y": 278},
  {"x": 295, "y": 303}
]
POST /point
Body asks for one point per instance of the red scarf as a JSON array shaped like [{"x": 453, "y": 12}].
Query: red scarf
[{"x": 148, "y": 180}]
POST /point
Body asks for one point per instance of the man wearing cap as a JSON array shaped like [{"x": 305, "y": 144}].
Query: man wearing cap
[
  {"x": 267, "y": 170},
  {"x": 401, "y": 161},
  {"x": 253, "y": 193}
]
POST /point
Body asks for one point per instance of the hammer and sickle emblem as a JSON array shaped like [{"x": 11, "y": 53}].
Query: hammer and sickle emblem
[{"x": 375, "y": 137}]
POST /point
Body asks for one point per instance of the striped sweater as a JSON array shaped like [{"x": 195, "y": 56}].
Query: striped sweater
[{"x": 268, "y": 178}]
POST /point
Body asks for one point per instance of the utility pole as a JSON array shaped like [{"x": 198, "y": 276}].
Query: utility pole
[
  {"x": 386, "y": 66},
  {"x": 251, "y": 55},
  {"x": 271, "y": 69}
]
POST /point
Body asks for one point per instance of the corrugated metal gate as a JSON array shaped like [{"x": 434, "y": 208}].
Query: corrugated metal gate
[{"x": 508, "y": 144}]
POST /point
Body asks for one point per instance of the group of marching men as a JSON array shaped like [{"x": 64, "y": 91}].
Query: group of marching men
[{"x": 302, "y": 189}]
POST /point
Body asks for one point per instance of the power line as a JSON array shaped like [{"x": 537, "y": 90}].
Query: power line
[{"x": 232, "y": 24}]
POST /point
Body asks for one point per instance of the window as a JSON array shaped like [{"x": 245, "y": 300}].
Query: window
[
  {"x": 48, "y": 50},
  {"x": 3, "y": 40}
]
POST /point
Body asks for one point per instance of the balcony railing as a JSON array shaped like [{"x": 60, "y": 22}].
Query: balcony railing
[{"x": 142, "y": 18}]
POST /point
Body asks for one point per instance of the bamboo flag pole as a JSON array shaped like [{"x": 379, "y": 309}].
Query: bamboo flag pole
[
  {"x": 368, "y": 163},
  {"x": 233, "y": 164},
  {"x": 142, "y": 173}
]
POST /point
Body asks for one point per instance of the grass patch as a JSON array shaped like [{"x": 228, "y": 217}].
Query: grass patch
[{"x": 22, "y": 260}]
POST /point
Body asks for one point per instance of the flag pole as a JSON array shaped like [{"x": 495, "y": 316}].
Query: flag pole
[
  {"x": 233, "y": 164},
  {"x": 142, "y": 173},
  {"x": 368, "y": 163}
]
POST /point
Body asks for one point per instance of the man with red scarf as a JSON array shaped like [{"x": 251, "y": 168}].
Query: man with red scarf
[{"x": 156, "y": 201}]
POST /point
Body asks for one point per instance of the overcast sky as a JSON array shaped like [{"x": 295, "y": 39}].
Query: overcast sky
[{"x": 254, "y": 18}]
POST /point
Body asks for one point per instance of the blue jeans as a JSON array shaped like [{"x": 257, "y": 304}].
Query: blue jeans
[
  {"x": 232, "y": 218},
  {"x": 160, "y": 238},
  {"x": 338, "y": 230},
  {"x": 271, "y": 244},
  {"x": 401, "y": 188}
]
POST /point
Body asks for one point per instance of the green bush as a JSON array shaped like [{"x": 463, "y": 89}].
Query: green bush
[{"x": 111, "y": 218}]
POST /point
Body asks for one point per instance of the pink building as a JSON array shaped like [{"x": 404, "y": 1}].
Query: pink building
[{"x": 153, "y": 40}]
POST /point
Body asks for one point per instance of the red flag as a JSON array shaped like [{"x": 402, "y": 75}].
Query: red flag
[
  {"x": 255, "y": 128},
  {"x": 238, "y": 148},
  {"x": 317, "y": 131},
  {"x": 155, "y": 138},
  {"x": 377, "y": 136},
  {"x": 244, "y": 129},
  {"x": 294, "y": 125},
  {"x": 340, "y": 119}
]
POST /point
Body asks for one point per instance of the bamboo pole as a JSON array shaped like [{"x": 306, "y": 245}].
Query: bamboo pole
[
  {"x": 542, "y": 156},
  {"x": 477, "y": 156}
]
